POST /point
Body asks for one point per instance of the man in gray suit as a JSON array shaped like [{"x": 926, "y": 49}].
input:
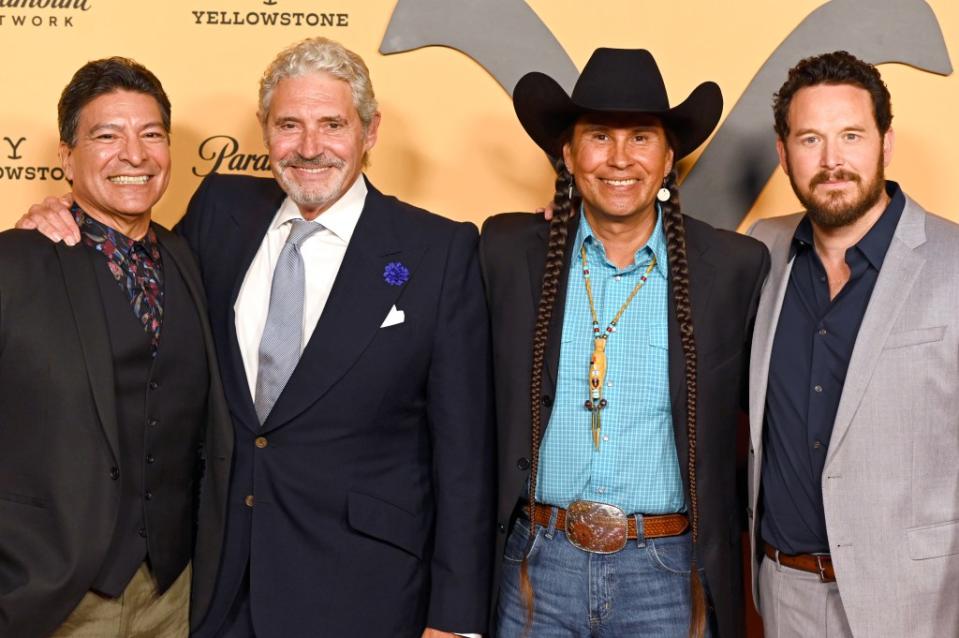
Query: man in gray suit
[{"x": 854, "y": 388}]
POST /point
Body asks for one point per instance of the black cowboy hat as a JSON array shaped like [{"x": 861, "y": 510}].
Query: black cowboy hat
[{"x": 615, "y": 81}]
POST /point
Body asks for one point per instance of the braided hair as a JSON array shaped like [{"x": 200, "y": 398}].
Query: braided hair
[
  {"x": 675, "y": 230},
  {"x": 565, "y": 204}
]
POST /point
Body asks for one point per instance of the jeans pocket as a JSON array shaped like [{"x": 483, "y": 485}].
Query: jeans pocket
[
  {"x": 518, "y": 545},
  {"x": 672, "y": 554}
]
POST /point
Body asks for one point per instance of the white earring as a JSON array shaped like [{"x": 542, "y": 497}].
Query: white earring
[{"x": 663, "y": 195}]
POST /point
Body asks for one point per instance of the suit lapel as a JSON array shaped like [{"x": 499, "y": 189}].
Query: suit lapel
[
  {"x": 764, "y": 331},
  {"x": 84, "y": 298},
  {"x": 700, "y": 293},
  {"x": 184, "y": 263},
  {"x": 899, "y": 273},
  {"x": 359, "y": 301},
  {"x": 555, "y": 341},
  {"x": 248, "y": 233}
]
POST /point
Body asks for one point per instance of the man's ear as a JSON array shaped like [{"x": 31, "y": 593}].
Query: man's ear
[
  {"x": 568, "y": 156},
  {"x": 65, "y": 152},
  {"x": 888, "y": 145},
  {"x": 781, "y": 151}
]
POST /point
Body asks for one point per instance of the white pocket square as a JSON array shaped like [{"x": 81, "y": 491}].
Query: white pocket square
[{"x": 393, "y": 317}]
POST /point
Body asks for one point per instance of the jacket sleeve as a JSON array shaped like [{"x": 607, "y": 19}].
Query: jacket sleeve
[{"x": 461, "y": 426}]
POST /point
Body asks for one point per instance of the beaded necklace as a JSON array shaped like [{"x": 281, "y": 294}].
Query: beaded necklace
[{"x": 597, "y": 361}]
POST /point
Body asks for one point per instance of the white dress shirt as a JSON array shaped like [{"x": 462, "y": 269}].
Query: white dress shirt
[{"x": 322, "y": 255}]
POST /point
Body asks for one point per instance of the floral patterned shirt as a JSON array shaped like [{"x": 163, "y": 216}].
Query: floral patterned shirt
[{"x": 135, "y": 265}]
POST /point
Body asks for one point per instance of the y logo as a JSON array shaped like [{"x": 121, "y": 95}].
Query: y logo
[
  {"x": 14, "y": 146},
  {"x": 505, "y": 37}
]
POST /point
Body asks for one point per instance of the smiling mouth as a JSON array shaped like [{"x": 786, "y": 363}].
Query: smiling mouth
[
  {"x": 619, "y": 182},
  {"x": 311, "y": 170},
  {"x": 130, "y": 179}
]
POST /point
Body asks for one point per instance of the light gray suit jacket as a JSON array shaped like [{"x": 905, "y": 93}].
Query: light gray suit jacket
[{"x": 890, "y": 484}]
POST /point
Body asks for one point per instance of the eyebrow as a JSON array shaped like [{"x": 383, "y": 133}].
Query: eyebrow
[
  {"x": 327, "y": 118},
  {"x": 117, "y": 127},
  {"x": 807, "y": 131}
]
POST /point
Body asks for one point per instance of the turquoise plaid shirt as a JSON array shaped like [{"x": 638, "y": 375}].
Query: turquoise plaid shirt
[{"x": 636, "y": 467}]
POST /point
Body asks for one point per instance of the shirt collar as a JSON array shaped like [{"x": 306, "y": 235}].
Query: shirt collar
[
  {"x": 340, "y": 218},
  {"x": 875, "y": 243},
  {"x": 656, "y": 244},
  {"x": 95, "y": 231}
]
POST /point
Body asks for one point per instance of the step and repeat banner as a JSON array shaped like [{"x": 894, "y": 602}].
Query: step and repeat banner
[{"x": 443, "y": 71}]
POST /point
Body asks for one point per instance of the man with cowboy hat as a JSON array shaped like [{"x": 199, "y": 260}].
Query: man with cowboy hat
[{"x": 620, "y": 332}]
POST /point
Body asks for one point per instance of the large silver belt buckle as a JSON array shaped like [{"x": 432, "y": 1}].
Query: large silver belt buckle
[{"x": 596, "y": 527}]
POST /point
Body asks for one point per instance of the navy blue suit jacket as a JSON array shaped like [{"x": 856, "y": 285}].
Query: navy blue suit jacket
[{"x": 372, "y": 478}]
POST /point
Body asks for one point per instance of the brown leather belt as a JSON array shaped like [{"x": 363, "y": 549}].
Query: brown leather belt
[
  {"x": 819, "y": 564},
  {"x": 653, "y": 526}
]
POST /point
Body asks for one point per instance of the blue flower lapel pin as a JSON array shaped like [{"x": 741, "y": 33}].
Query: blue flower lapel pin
[{"x": 396, "y": 274}]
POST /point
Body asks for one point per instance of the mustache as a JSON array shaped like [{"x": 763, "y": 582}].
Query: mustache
[
  {"x": 824, "y": 176},
  {"x": 320, "y": 161}
]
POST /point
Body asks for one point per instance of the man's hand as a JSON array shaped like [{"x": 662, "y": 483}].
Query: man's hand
[
  {"x": 436, "y": 633},
  {"x": 53, "y": 218},
  {"x": 547, "y": 212}
]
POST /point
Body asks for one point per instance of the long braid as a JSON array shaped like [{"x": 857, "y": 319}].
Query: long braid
[
  {"x": 565, "y": 202},
  {"x": 679, "y": 273}
]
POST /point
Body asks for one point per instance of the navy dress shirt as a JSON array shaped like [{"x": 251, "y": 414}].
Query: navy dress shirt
[{"x": 814, "y": 340}]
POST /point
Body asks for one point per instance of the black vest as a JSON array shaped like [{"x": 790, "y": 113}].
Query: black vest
[{"x": 161, "y": 413}]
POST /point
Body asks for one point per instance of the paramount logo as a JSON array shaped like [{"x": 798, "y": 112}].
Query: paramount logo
[
  {"x": 221, "y": 153},
  {"x": 40, "y": 13}
]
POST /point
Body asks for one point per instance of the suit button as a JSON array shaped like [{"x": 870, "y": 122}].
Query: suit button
[
  {"x": 260, "y": 442},
  {"x": 151, "y": 459},
  {"x": 248, "y": 501},
  {"x": 142, "y": 532},
  {"x": 148, "y": 495},
  {"x": 547, "y": 400},
  {"x": 501, "y": 528},
  {"x": 154, "y": 422},
  {"x": 114, "y": 473},
  {"x": 523, "y": 463},
  {"x": 154, "y": 385}
]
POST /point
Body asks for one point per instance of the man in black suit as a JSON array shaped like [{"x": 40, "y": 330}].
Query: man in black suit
[
  {"x": 352, "y": 334},
  {"x": 110, "y": 400},
  {"x": 620, "y": 332}
]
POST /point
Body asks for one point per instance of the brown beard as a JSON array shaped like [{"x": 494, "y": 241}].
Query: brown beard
[{"x": 834, "y": 213}]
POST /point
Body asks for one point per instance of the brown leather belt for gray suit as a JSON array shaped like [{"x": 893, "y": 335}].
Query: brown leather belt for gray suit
[
  {"x": 605, "y": 529},
  {"x": 819, "y": 564}
]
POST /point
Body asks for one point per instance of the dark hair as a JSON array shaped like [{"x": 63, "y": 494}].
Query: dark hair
[
  {"x": 566, "y": 204},
  {"x": 838, "y": 67},
  {"x": 100, "y": 77}
]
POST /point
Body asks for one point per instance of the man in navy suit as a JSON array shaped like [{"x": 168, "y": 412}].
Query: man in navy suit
[{"x": 352, "y": 336}]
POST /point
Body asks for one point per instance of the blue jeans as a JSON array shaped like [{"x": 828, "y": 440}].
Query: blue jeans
[{"x": 641, "y": 590}]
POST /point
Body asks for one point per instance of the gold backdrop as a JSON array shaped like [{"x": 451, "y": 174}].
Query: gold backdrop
[{"x": 449, "y": 140}]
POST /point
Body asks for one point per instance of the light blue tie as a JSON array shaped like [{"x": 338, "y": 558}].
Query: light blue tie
[{"x": 282, "y": 338}]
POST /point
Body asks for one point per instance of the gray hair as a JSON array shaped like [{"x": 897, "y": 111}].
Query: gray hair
[{"x": 321, "y": 55}]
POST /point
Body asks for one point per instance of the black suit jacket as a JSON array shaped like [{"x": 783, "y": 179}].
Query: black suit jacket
[
  {"x": 58, "y": 433},
  {"x": 371, "y": 480},
  {"x": 726, "y": 272}
]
